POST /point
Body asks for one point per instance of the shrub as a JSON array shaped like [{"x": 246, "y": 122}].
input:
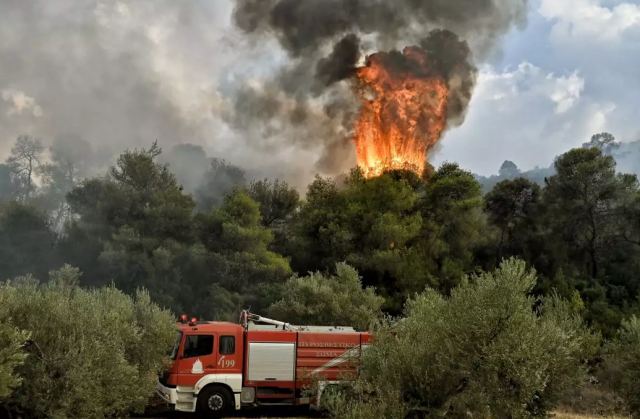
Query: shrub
[
  {"x": 484, "y": 351},
  {"x": 91, "y": 353},
  {"x": 339, "y": 299},
  {"x": 622, "y": 363},
  {"x": 11, "y": 356}
]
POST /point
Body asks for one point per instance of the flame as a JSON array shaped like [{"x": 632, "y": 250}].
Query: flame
[{"x": 403, "y": 112}]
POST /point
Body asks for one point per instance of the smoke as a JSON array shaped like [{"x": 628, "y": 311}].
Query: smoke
[
  {"x": 114, "y": 74},
  {"x": 264, "y": 84},
  {"x": 325, "y": 40},
  {"x": 341, "y": 63}
]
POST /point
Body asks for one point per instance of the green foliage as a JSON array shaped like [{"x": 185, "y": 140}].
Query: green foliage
[
  {"x": 369, "y": 223},
  {"x": 454, "y": 225},
  {"x": 26, "y": 240},
  {"x": 587, "y": 210},
  {"x": 332, "y": 300},
  {"x": 401, "y": 233},
  {"x": 135, "y": 228},
  {"x": 245, "y": 265},
  {"x": 91, "y": 353},
  {"x": 140, "y": 194},
  {"x": 513, "y": 206},
  {"x": 583, "y": 198},
  {"x": 139, "y": 226},
  {"x": 12, "y": 355},
  {"x": 276, "y": 198},
  {"x": 482, "y": 352},
  {"x": 622, "y": 362}
]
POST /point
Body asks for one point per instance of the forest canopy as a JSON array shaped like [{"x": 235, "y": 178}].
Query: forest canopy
[{"x": 351, "y": 250}]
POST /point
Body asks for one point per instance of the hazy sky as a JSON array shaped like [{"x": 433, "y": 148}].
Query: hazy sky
[{"x": 122, "y": 74}]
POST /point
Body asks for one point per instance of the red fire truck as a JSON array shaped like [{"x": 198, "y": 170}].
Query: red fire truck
[{"x": 221, "y": 366}]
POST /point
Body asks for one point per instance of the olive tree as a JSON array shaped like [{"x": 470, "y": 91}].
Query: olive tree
[
  {"x": 622, "y": 363},
  {"x": 11, "y": 356},
  {"x": 91, "y": 352},
  {"x": 487, "y": 350}
]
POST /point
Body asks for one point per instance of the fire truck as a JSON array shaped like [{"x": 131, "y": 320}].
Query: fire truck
[{"x": 221, "y": 366}]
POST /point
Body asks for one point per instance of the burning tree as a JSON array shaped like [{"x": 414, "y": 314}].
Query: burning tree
[
  {"x": 408, "y": 99},
  {"x": 403, "y": 114}
]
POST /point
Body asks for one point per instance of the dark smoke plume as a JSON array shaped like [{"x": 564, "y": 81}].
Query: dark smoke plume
[
  {"x": 325, "y": 40},
  {"x": 341, "y": 63}
]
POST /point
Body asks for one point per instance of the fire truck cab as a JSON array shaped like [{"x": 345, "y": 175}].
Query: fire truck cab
[{"x": 219, "y": 366}]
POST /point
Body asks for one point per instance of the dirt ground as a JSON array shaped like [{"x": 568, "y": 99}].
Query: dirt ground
[
  {"x": 293, "y": 413},
  {"x": 161, "y": 412},
  {"x": 569, "y": 415}
]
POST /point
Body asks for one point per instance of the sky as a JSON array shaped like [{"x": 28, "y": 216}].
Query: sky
[
  {"x": 116, "y": 75},
  {"x": 572, "y": 72}
]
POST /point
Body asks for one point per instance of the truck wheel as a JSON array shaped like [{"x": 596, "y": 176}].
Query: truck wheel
[{"x": 214, "y": 401}]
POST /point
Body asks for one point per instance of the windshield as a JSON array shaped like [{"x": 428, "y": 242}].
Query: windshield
[{"x": 174, "y": 351}]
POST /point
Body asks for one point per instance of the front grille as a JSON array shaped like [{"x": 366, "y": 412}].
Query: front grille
[{"x": 164, "y": 380}]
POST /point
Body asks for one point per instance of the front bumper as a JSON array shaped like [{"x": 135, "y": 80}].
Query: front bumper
[
  {"x": 168, "y": 394},
  {"x": 182, "y": 398}
]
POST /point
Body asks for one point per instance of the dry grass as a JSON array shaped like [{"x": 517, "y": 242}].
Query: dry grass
[{"x": 569, "y": 415}]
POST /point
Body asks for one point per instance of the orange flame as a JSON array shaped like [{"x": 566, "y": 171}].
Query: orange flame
[{"x": 403, "y": 113}]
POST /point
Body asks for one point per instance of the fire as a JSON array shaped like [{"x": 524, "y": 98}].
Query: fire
[{"x": 403, "y": 112}]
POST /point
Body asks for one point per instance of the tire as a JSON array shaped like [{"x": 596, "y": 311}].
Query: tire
[{"x": 215, "y": 402}]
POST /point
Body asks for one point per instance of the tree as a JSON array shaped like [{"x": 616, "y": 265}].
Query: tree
[
  {"x": 485, "y": 351},
  {"x": 454, "y": 225},
  {"x": 585, "y": 203},
  {"x": 604, "y": 142},
  {"x": 135, "y": 227},
  {"x": 277, "y": 200},
  {"x": 622, "y": 363},
  {"x": 401, "y": 232},
  {"x": 154, "y": 202},
  {"x": 12, "y": 356},
  {"x": 26, "y": 241},
  {"x": 332, "y": 300},
  {"x": 240, "y": 244},
  {"x": 509, "y": 170},
  {"x": 139, "y": 194},
  {"x": 92, "y": 346},
  {"x": 62, "y": 173},
  {"x": 370, "y": 224},
  {"x": 513, "y": 206},
  {"x": 25, "y": 158}
]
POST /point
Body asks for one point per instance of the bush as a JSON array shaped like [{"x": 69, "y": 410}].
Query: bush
[
  {"x": 11, "y": 356},
  {"x": 622, "y": 363},
  {"x": 482, "y": 352},
  {"x": 328, "y": 300},
  {"x": 91, "y": 353}
]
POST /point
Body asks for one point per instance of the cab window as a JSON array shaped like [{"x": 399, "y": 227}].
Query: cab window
[
  {"x": 227, "y": 345},
  {"x": 198, "y": 345},
  {"x": 174, "y": 351}
]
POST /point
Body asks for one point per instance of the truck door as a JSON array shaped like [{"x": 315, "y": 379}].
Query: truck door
[
  {"x": 229, "y": 355},
  {"x": 198, "y": 357}
]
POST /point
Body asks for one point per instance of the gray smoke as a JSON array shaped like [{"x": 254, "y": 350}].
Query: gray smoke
[
  {"x": 263, "y": 83},
  {"x": 114, "y": 74},
  {"x": 326, "y": 39}
]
